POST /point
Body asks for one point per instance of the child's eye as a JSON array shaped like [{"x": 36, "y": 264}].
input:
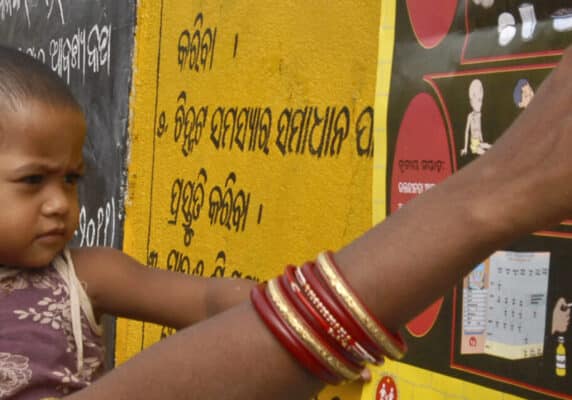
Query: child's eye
[
  {"x": 32, "y": 179},
  {"x": 73, "y": 179}
]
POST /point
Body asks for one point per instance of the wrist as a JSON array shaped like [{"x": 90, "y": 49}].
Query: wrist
[{"x": 506, "y": 202}]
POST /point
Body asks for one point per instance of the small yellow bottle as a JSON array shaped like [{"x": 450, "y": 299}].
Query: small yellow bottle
[{"x": 560, "y": 357}]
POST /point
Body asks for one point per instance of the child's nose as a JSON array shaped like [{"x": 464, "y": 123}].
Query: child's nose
[{"x": 57, "y": 201}]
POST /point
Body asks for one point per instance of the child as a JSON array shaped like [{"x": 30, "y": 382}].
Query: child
[{"x": 52, "y": 296}]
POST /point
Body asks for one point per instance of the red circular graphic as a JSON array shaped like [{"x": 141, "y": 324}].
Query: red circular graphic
[
  {"x": 386, "y": 389},
  {"x": 421, "y": 160},
  {"x": 431, "y": 20},
  {"x": 422, "y": 324}
]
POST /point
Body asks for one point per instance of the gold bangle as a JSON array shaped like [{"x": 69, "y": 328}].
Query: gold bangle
[
  {"x": 313, "y": 344},
  {"x": 356, "y": 308}
]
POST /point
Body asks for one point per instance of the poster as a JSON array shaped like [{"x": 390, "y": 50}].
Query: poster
[{"x": 462, "y": 71}]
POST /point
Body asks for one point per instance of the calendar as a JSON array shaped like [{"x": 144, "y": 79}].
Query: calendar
[{"x": 504, "y": 305}]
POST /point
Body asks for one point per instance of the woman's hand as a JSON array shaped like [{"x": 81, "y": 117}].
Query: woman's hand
[{"x": 533, "y": 156}]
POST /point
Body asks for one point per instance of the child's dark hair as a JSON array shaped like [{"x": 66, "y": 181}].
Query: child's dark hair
[{"x": 24, "y": 78}]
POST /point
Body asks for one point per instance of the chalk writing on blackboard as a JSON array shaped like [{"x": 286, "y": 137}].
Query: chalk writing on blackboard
[
  {"x": 52, "y": 8},
  {"x": 99, "y": 230},
  {"x": 87, "y": 50}
]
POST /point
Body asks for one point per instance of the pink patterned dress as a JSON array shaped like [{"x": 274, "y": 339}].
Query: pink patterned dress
[{"x": 50, "y": 342}]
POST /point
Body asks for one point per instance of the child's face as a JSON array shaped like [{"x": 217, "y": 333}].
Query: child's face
[{"x": 40, "y": 163}]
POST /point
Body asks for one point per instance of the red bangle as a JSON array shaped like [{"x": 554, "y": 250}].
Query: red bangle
[
  {"x": 319, "y": 328},
  {"x": 391, "y": 343},
  {"x": 340, "y": 314},
  {"x": 287, "y": 338},
  {"x": 290, "y": 316},
  {"x": 336, "y": 329}
]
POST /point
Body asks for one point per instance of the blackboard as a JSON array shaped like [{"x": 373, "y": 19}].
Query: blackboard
[{"x": 89, "y": 44}]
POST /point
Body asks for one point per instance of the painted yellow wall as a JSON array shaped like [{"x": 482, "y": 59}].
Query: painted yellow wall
[{"x": 282, "y": 59}]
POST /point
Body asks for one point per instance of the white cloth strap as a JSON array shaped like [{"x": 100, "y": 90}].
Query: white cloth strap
[{"x": 78, "y": 301}]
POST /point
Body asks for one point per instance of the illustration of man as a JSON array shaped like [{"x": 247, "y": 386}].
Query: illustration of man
[{"x": 473, "y": 129}]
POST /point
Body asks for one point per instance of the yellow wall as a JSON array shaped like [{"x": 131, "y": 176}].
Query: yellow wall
[{"x": 280, "y": 58}]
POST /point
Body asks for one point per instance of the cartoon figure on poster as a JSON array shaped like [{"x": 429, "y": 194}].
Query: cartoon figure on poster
[
  {"x": 507, "y": 24},
  {"x": 560, "y": 324},
  {"x": 562, "y": 19},
  {"x": 473, "y": 129},
  {"x": 387, "y": 395},
  {"x": 386, "y": 389},
  {"x": 523, "y": 93},
  {"x": 484, "y": 3}
]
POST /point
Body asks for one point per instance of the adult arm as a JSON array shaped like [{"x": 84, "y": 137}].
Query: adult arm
[{"x": 520, "y": 185}]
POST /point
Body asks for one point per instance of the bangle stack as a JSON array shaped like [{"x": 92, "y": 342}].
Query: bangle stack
[{"x": 321, "y": 321}]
